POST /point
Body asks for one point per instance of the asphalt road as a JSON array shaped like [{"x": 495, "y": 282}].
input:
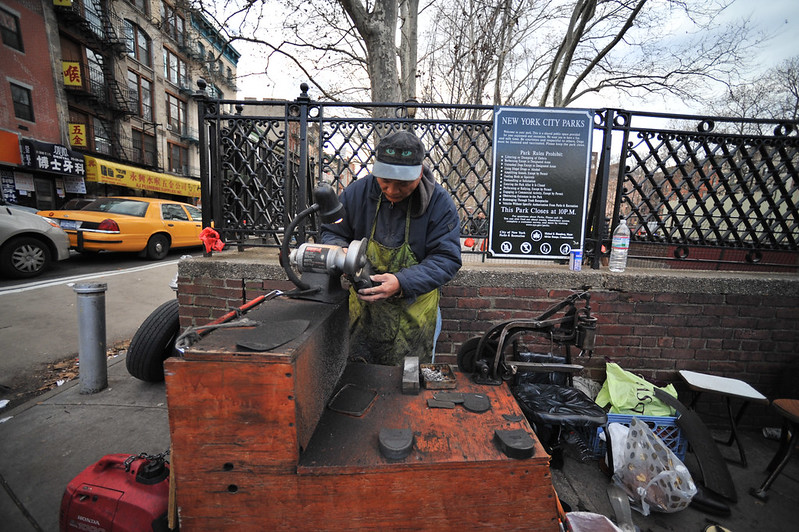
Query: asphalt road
[{"x": 38, "y": 317}]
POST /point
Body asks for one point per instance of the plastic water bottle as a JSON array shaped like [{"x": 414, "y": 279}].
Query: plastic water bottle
[{"x": 619, "y": 247}]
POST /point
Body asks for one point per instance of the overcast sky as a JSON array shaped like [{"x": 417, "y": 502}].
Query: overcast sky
[{"x": 779, "y": 16}]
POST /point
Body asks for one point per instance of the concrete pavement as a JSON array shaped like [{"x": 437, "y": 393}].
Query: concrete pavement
[{"x": 50, "y": 440}]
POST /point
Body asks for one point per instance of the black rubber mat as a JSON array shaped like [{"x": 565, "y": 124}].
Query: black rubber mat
[
  {"x": 715, "y": 474},
  {"x": 352, "y": 400},
  {"x": 272, "y": 334},
  {"x": 515, "y": 443},
  {"x": 476, "y": 402},
  {"x": 395, "y": 444}
]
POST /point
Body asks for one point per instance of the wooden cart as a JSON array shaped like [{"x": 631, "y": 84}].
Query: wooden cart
[{"x": 255, "y": 446}]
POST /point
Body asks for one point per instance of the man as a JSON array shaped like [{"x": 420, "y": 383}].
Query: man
[{"x": 414, "y": 247}]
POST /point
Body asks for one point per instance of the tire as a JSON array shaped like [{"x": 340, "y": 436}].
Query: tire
[
  {"x": 157, "y": 247},
  {"x": 24, "y": 257},
  {"x": 154, "y": 342}
]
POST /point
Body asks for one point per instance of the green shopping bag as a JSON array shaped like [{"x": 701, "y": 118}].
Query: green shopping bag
[{"x": 627, "y": 393}]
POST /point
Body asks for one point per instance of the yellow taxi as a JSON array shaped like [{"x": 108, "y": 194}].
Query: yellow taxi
[{"x": 149, "y": 226}]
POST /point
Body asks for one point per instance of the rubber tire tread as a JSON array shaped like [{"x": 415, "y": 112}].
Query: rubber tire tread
[
  {"x": 154, "y": 342},
  {"x": 6, "y": 266},
  {"x": 150, "y": 251}
]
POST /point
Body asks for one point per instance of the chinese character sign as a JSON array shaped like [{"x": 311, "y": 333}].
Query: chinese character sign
[
  {"x": 51, "y": 157},
  {"x": 77, "y": 135},
  {"x": 72, "y": 77}
]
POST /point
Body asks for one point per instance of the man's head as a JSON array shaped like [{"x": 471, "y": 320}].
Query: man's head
[
  {"x": 399, "y": 156},
  {"x": 398, "y": 168}
]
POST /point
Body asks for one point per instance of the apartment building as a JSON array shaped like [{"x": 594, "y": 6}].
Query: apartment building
[{"x": 110, "y": 98}]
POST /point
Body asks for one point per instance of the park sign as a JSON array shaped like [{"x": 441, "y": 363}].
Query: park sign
[{"x": 539, "y": 187}]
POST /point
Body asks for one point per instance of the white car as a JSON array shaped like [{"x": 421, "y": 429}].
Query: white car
[{"x": 29, "y": 243}]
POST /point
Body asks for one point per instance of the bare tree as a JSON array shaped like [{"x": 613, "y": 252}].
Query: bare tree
[
  {"x": 551, "y": 52},
  {"x": 773, "y": 94},
  {"x": 786, "y": 84},
  {"x": 343, "y": 47},
  {"x": 472, "y": 46},
  {"x": 515, "y": 52}
]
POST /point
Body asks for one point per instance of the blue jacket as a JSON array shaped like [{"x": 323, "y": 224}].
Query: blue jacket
[{"x": 434, "y": 234}]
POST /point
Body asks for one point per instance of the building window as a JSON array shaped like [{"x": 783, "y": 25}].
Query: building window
[
  {"x": 23, "y": 103},
  {"x": 140, "y": 93},
  {"x": 175, "y": 113},
  {"x": 178, "y": 158},
  {"x": 174, "y": 23},
  {"x": 92, "y": 12},
  {"x": 96, "y": 75},
  {"x": 175, "y": 69},
  {"x": 102, "y": 137},
  {"x": 9, "y": 27},
  {"x": 144, "y": 151},
  {"x": 213, "y": 92},
  {"x": 141, "y": 5},
  {"x": 138, "y": 44}
]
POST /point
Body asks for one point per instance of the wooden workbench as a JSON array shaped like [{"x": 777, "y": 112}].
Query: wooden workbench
[{"x": 255, "y": 447}]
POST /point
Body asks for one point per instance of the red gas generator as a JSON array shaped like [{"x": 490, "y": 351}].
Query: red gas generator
[{"x": 120, "y": 493}]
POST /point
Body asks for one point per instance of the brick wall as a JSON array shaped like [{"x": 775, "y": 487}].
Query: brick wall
[{"x": 650, "y": 322}]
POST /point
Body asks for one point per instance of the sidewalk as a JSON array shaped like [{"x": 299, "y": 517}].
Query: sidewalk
[
  {"x": 48, "y": 441},
  {"x": 51, "y": 439}
]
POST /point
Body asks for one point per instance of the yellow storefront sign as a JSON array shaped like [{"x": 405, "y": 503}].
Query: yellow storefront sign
[
  {"x": 62, "y": 3},
  {"x": 72, "y": 77},
  {"x": 100, "y": 171}
]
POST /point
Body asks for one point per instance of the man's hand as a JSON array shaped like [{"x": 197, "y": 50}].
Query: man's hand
[{"x": 389, "y": 286}]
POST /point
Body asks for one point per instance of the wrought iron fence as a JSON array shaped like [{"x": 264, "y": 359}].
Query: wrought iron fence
[{"x": 700, "y": 192}]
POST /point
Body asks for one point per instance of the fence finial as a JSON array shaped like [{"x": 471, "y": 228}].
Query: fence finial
[{"x": 304, "y": 94}]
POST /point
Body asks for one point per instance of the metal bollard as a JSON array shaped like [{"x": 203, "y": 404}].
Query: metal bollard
[{"x": 91, "y": 338}]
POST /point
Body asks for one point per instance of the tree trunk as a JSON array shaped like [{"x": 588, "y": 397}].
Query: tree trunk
[
  {"x": 378, "y": 30},
  {"x": 409, "y": 13}
]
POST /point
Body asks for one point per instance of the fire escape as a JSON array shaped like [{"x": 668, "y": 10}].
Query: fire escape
[{"x": 91, "y": 22}]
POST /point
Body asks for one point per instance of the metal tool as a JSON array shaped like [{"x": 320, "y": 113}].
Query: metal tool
[
  {"x": 322, "y": 265},
  {"x": 484, "y": 356}
]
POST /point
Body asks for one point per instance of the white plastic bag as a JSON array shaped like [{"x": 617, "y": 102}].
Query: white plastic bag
[
  {"x": 650, "y": 473},
  {"x": 590, "y": 522},
  {"x": 618, "y": 442}
]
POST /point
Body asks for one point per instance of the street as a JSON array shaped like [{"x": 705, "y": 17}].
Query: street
[{"x": 38, "y": 317}]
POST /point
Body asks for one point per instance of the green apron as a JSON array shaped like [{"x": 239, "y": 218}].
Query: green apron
[{"x": 386, "y": 331}]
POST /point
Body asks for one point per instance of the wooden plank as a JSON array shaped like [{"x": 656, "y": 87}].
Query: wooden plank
[
  {"x": 458, "y": 498},
  {"x": 255, "y": 448},
  {"x": 222, "y": 408}
]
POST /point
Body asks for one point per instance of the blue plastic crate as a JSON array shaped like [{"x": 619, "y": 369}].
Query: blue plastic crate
[{"x": 664, "y": 427}]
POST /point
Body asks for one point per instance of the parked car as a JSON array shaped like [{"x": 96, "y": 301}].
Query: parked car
[
  {"x": 149, "y": 226},
  {"x": 76, "y": 204},
  {"x": 29, "y": 243}
]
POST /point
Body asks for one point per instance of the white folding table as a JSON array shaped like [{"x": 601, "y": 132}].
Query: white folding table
[{"x": 729, "y": 389}]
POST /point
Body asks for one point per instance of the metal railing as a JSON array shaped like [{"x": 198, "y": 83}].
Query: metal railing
[{"x": 700, "y": 192}]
